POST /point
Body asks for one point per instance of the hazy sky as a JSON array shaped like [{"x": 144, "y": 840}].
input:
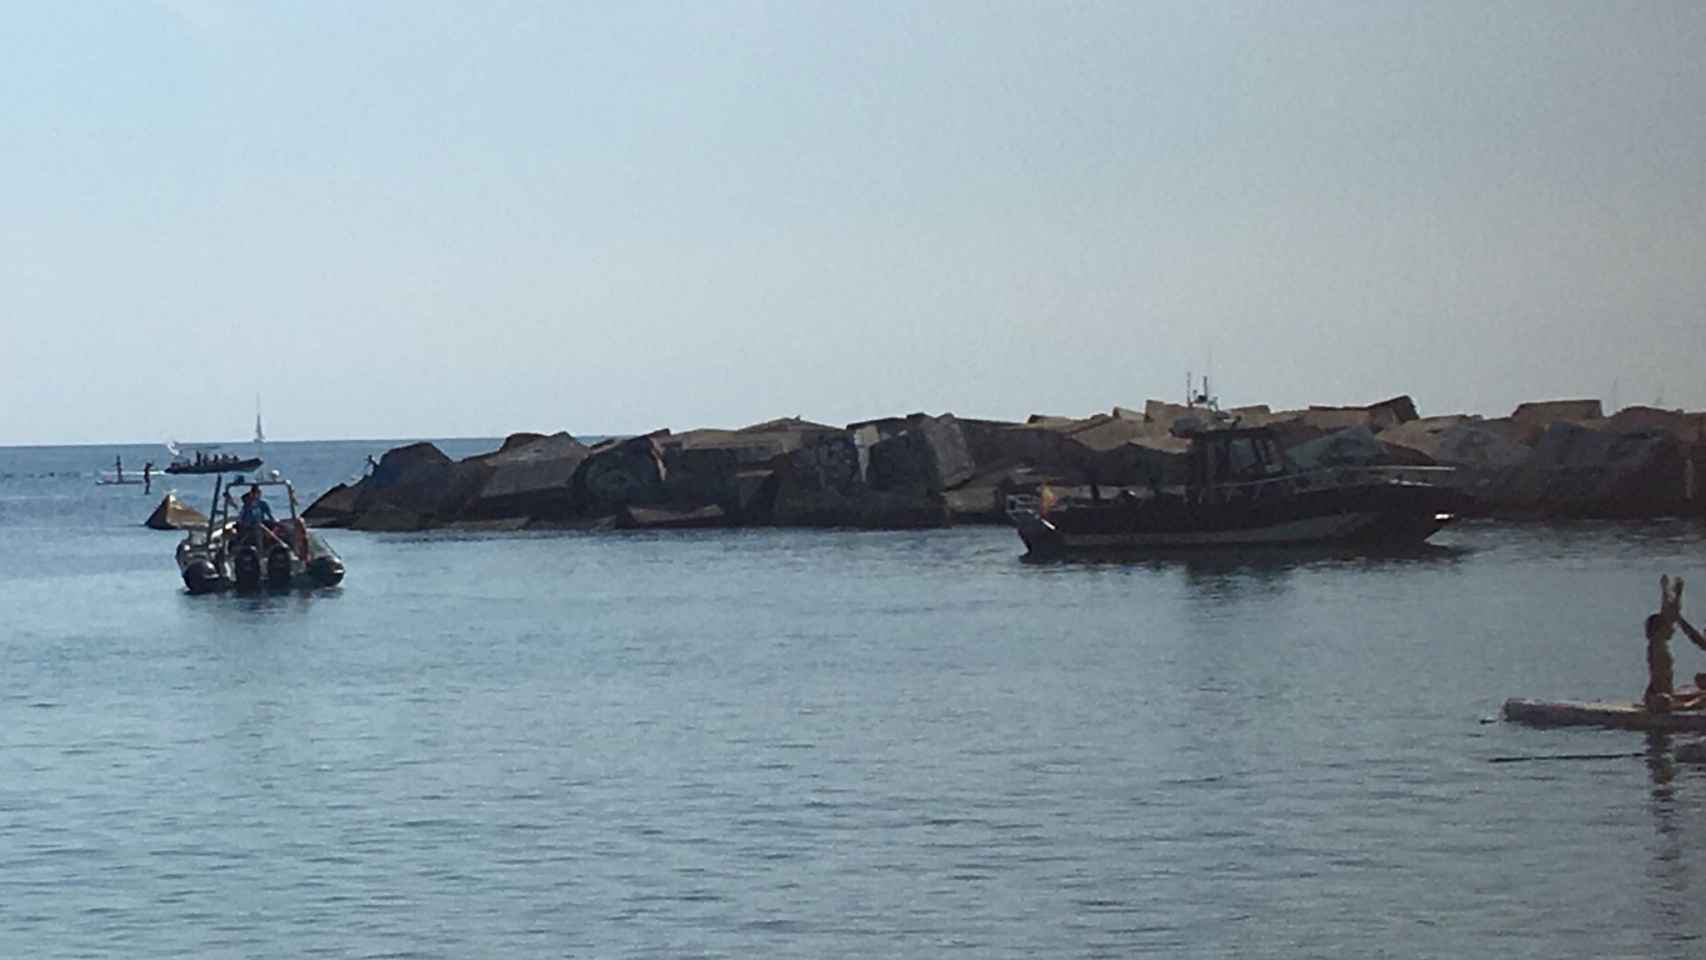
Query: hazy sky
[{"x": 434, "y": 219}]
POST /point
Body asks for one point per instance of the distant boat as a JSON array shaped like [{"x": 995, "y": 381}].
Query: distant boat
[
  {"x": 204, "y": 462},
  {"x": 1243, "y": 491},
  {"x": 224, "y": 463}
]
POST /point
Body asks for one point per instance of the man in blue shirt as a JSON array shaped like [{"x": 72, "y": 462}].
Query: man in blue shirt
[{"x": 255, "y": 510}]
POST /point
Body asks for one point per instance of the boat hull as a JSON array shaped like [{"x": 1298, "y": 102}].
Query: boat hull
[
  {"x": 1387, "y": 515},
  {"x": 221, "y": 564},
  {"x": 202, "y": 575},
  {"x": 232, "y": 466}
]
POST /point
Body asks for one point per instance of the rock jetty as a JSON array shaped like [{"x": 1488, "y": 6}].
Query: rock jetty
[{"x": 1561, "y": 458}]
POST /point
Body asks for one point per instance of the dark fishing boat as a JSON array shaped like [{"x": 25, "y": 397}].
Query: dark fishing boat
[
  {"x": 279, "y": 556},
  {"x": 204, "y": 462},
  {"x": 1243, "y": 491},
  {"x": 219, "y": 463}
]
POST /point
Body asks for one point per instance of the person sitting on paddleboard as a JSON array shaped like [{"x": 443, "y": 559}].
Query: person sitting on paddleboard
[{"x": 1661, "y": 695}]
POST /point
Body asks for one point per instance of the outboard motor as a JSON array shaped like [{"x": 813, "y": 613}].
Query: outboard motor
[
  {"x": 247, "y": 566},
  {"x": 278, "y": 567},
  {"x": 200, "y": 576},
  {"x": 326, "y": 570}
]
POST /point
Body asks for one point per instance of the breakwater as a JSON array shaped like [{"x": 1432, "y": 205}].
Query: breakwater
[{"x": 1561, "y": 458}]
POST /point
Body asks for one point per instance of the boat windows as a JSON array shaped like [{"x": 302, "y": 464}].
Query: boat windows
[
  {"x": 1273, "y": 461},
  {"x": 1246, "y": 457}
]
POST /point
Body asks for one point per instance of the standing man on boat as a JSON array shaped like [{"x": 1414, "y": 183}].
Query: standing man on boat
[
  {"x": 147, "y": 476},
  {"x": 1661, "y": 695},
  {"x": 255, "y": 513},
  {"x": 118, "y": 466}
]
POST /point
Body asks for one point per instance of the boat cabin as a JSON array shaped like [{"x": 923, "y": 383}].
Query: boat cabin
[{"x": 1233, "y": 455}]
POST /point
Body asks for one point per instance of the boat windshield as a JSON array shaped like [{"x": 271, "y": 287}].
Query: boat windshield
[{"x": 1245, "y": 459}]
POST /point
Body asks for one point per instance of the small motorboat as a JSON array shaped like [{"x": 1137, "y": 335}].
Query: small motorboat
[
  {"x": 206, "y": 461},
  {"x": 282, "y": 555}
]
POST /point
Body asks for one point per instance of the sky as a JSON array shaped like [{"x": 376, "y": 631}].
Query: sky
[{"x": 407, "y": 219}]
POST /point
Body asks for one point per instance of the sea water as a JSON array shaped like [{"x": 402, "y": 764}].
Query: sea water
[{"x": 803, "y": 743}]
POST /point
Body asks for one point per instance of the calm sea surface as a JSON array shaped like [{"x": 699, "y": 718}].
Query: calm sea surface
[{"x": 783, "y": 743}]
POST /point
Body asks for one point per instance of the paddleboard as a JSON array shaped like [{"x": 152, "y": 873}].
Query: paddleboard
[{"x": 1578, "y": 713}]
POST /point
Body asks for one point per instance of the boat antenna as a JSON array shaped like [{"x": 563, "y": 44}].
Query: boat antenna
[
  {"x": 1199, "y": 398},
  {"x": 1208, "y": 348}
]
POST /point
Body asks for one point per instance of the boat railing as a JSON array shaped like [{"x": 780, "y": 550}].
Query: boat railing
[
  {"x": 220, "y": 514},
  {"x": 1024, "y": 503},
  {"x": 1349, "y": 475}
]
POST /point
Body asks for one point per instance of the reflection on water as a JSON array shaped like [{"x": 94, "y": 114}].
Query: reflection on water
[
  {"x": 230, "y": 611},
  {"x": 1217, "y": 576},
  {"x": 1676, "y": 807},
  {"x": 1257, "y": 559}
]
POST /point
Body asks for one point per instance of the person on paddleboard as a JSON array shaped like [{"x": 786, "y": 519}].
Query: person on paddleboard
[{"x": 1661, "y": 695}]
